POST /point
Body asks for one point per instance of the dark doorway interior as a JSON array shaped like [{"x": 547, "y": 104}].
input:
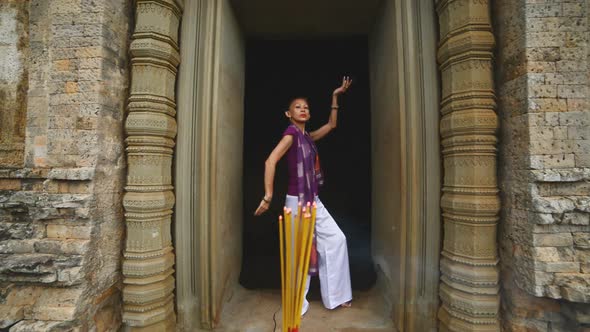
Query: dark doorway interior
[{"x": 277, "y": 71}]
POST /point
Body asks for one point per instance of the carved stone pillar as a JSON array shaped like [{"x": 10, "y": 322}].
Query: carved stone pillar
[
  {"x": 470, "y": 201},
  {"x": 148, "y": 258}
]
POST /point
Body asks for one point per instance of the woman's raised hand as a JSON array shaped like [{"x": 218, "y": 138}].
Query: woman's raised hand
[{"x": 346, "y": 82}]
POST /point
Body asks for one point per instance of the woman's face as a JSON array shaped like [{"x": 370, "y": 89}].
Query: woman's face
[{"x": 299, "y": 111}]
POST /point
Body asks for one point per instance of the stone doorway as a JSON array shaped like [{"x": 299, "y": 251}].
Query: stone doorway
[
  {"x": 393, "y": 173},
  {"x": 405, "y": 158}
]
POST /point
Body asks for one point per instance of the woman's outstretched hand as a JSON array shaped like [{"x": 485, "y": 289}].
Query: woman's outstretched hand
[
  {"x": 346, "y": 82},
  {"x": 263, "y": 207}
]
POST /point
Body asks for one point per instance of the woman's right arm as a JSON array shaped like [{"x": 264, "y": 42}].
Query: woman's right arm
[{"x": 269, "y": 172}]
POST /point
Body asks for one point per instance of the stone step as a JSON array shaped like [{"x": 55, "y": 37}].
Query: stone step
[{"x": 368, "y": 329}]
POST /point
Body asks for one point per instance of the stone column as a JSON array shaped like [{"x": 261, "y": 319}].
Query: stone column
[
  {"x": 470, "y": 201},
  {"x": 149, "y": 198}
]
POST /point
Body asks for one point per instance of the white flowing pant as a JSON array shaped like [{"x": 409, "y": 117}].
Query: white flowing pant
[{"x": 333, "y": 266}]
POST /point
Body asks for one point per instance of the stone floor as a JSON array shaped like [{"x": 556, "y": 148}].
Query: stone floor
[{"x": 252, "y": 311}]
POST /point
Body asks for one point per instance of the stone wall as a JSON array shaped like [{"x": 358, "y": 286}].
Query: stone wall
[
  {"x": 13, "y": 81},
  {"x": 542, "y": 81},
  {"x": 61, "y": 222}
]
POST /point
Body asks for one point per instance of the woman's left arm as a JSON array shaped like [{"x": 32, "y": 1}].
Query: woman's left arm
[{"x": 332, "y": 121}]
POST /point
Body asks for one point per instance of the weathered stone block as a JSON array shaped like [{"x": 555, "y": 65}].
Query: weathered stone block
[
  {"x": 72, "y": 276},
  {"x": 582, "y": 240},
  {"x": 582, "y": 160},
  {"x": 18, "y": 230},
  {"x": 581, "y": 188},
  {"x": 546, "y": 254},
  {"x": 563, "y": 267},
  {"x": 569, "y": 65},
  {"x": 576, "y": 218},
  {"x": 10, "y": 315},
  {"x": 17, "y": 246},
  {"x": 566, "y": 253},
  {"x": 542, "y": 218},
  {"x": 83, "y": 173},
  {"x": 10, "y": 184},
  {"x": 577, "y": 105},
  {"x": 559, "y": 160},
  {"x": 572, "y": 53},
  {"x": 576, "y": 79},
  {"x": 68, "y": 231},
  {"x": 548, "y": 105},
  {"x": 62, "y": 262},
  {"x": 62, "y": 247},
  {"x": 553, "y": 240},
  {"x": 541, "y": 133},
  {"x": 574, "y": 118},
  {"x": 558, "y": 228},
  {"x": 28, "y": 267},
  {"x": 60, "y": 313},
  {"x": 543, "y": 54},
  {"x": 543, "y": 10},
  {"x": 576, "y": 39},
  {"x": 552, "y": 205},
  {"x": 20, "y": 295},
  {"x": 582, "y": 203},
  {"x": 539, "y": 24},
  {"x": 572, "y": 91},
  {"x": 579, "y": 133},
  {"x": 35, "y": 325},
  {"x": 560, "y": 175},
  {"x": 572, "y": 279},
  {"x": 575, "y": 294},
  {"x": 544, "y": 91},
  {"x": 572, "y": 9}
]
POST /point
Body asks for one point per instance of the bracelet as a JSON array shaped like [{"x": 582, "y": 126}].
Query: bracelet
[
  {"x": 335, "y": 107},
  {"x": 264, "y": 199}
]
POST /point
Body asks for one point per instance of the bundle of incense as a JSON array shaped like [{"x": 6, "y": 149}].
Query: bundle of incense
[{"x": 296, "y": 235}]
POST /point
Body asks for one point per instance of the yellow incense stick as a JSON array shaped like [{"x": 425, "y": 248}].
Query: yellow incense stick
[
  {"x": 285, "y": 269},
  {"x": 302, "y": 274},
  {"x": 296, "y": 237},
  {"x": 296, "y": 249},
  {"x": 288, "y": 270},
  {"x": 293, "y": 299},
  {"x": 304, "y": 269},
  {"x": 299, "y": 212},
  {"x": 305, "y": 237},
  {"x": 282, "y": 267},
  {"x": 298, "y": 240},
  {"x": 309, "y": 237}
]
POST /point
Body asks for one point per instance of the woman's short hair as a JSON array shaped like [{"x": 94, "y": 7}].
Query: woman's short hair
[{"x": 297, "y": 98}]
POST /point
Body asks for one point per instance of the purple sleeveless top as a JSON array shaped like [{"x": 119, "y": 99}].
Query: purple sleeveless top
[{"x": 292, "y": 162}]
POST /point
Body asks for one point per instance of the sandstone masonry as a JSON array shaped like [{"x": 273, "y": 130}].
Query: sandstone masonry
[
  {"x": 61, "y": 223},
  {"x": 543, "y": 82}
]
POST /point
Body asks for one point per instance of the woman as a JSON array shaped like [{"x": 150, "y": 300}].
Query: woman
[{"x": 304, "y": 180}]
